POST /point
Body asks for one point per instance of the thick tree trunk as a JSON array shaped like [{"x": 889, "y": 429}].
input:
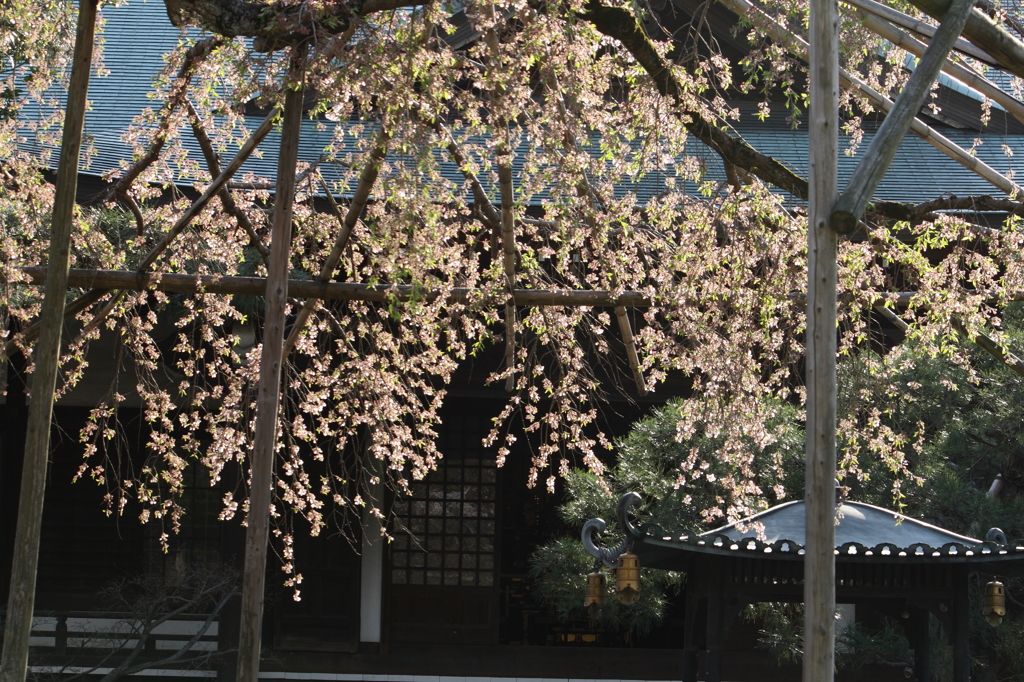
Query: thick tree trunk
[{"x": 21, "y": 600}]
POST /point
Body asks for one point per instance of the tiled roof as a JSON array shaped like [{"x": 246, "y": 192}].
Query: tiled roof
[
  {"x": 864, "y": 533},
  {"x": 138, "y": 33}
]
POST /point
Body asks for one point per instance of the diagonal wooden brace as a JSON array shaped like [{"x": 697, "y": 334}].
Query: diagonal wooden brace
[{"x": 880, "y": 154}]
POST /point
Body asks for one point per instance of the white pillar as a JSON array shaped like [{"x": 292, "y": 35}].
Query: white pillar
[{"x": 371, "y": 583}]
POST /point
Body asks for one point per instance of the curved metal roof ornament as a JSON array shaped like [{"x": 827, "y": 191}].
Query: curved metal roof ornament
[
  {"x": 609, "y": 556},
  {"x": 622, "y": 513},
  {"x": 997, "y": 536}
]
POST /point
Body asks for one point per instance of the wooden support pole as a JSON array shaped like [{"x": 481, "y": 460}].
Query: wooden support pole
[
  {"x": 919, "y": 637},
  {"x": 715, "y": 624},
  {"x": 634, "y": 360},
  {"x": 961, "y": 626},
  {"x": 348, "y": 223},
  {"x": 967, "y": 76},
  {"x": 875, "y": 162},
  {"x": 503, "y": 152},
  {"x": 917, "y": 26},
  {"x": 21, "y": 599},
  {"x": 508, "y": 240},
  {"x": 822, "y": 250},
  {"x": 690, "y": 662},
  {"x": 268, "y": 396},
  {"x": 798, "y": 46}
]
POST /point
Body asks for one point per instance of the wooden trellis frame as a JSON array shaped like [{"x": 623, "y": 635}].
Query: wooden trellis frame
[{"x": 827, "y": 216}]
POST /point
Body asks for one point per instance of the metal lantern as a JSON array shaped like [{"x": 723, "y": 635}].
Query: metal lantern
[
  {"x": 995, "y": 603},
  {"x": 595, "y": 593},
  {"x": 627, "y": 579}
]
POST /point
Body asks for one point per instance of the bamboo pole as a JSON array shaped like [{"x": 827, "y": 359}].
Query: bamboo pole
[
  {"x": 967, "y": 76},
  {"x": 876, "y": 161},
  {"x": 21, "y": 599},
  {"x": 822, "y": 251},
  {"x": 634, "y": 359},
  {"x": 920, "y": 27},
  {"x": 984, "y": 32},
  {"x": 798, "y": 46},
  {"x": 268, "y": 396},
  {"x": 348, "y": 223}
]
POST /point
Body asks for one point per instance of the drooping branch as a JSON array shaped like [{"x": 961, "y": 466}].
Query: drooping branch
[
  {"x": 227, "y": 201},
  {"x": 348, "y": 223},
  {"x": 97, "y": 292},
  {"x": 619, "y": 23},
  {"x": 177, "y": 95},
  {"x": 488, "y": 213}
]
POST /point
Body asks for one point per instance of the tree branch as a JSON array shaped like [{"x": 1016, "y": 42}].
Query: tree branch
[
  {"x": 619, "y": 23},
  {"x": 895, "y": 210},
  {"x": 226, "y": 200},
  {"x": 189, "y": 644},
  {"x": 177, "y": 94}
]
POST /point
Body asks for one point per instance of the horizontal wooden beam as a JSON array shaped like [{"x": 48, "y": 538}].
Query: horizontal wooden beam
[
  {"x": 348, "y": 291},
  {"x": 334, "y": 291}
]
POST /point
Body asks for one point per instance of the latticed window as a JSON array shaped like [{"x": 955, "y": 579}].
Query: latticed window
[
  {"x": 199, "y": 540},
  {"x": 450, "y": 519}
]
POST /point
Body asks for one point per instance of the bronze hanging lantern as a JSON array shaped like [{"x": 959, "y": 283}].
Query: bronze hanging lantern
[
  {"x": 595, "y": 593},
  {"x": 627, "y": 579},
  {"x": 995, "y": 603}
]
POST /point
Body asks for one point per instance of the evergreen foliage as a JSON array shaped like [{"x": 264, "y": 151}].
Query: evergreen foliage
[
  {"x": 680, "y": 479},
  {"x": 941, "y": 426}
]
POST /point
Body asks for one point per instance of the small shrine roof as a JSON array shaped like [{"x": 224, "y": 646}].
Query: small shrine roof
[
  {"x": 864, "y": 524},
  {"x": 864, "y": 533}
]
